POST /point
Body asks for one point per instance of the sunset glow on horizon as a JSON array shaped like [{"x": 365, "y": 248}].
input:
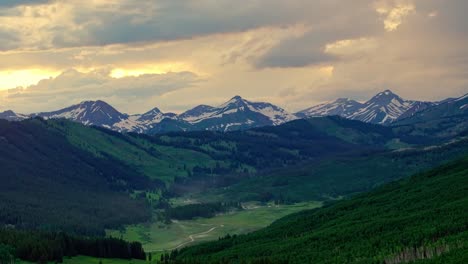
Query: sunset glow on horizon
[{"x": 296, "y": 53}]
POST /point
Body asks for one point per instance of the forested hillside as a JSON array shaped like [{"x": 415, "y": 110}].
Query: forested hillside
[
  {"x": 49, "y": 184},
  {"x": 61, "y": 175},
  {"x": 41, "y": 247},
  {"x": 338, "y": 176},
  {"x": 55, "y": 171},
  {"x": 423, "y": 217}
]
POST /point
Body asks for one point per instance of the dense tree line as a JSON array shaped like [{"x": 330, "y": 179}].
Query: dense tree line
[
  {"x": 262, "y": 147},
  {"x": 339, "y": 176},
  {"x": 48, "y": 184},
  {"x": 7, "y": 254},
  {"x": 206, "y": 210},
  {"x": 41, "y": 247},
  {"x": 415, "y": 219}
]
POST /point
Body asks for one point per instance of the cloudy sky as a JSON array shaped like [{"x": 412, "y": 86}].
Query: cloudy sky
[{"x": 139, "y": 54}]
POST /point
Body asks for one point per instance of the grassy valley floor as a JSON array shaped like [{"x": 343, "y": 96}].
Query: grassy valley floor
[{"x": 157, "y": 237}]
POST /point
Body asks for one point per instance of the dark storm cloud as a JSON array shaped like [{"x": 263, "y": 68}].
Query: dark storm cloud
[
  {"x": 310, "y": 48},
  {"x": 166, "y": 20}
]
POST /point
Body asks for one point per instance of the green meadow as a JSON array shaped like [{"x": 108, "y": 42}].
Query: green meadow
[{"x": 158, "y": 237}]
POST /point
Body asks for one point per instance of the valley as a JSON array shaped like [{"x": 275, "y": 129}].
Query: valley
[
  {"x": 160, "y": 237},
  {"x": 233, "y": 132},
  {"x": 420, "y": 218},
  {"x": 176, "y": 192}
]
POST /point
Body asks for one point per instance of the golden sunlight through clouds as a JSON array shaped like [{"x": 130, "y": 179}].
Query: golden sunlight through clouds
[
  {"x": 24, "y": 78},
  {"x": 160, "y": 68}
]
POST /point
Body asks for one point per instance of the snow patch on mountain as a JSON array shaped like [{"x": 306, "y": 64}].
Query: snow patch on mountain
[
  {"x": 97, "y": 113},
  {"x": 384, "y": 108},
  {"x": 237, "y": 105},
  {"x": 341, "y": 107},
  {"x": 12, "y": 116}
]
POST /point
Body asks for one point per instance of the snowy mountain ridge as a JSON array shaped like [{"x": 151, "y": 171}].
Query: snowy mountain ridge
[{"x": 384, "y": 108}]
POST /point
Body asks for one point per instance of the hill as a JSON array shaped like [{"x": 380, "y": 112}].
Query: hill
[
  {"x": 444, "y": 120},
  {"x": 55, "y": 171},
  {"x": 448, "y": 108},
  {"x": 49, "y": 184},
  {"x": 423, "y": 217},
  {"x": 334, "y": 177}
]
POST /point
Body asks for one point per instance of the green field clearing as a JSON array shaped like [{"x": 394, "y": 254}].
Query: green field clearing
[{"x": 157, "y": 237}]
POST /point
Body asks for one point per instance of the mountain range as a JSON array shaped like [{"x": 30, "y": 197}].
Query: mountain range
[
  {"x": 67, "y": 171},
  {"x": 385, "y": 108}
]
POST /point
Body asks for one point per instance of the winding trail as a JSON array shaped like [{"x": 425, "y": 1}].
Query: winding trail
[{"x": 192, "y": 238}]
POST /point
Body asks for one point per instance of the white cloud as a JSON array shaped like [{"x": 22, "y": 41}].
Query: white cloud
[
  {"x": 294, "y": 53},
  {"x": 73, "y": 86},
  {"x": 394, "y": 15}
]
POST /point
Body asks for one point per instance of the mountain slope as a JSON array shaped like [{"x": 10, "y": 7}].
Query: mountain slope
[
  {"x": 236, "y": 114},
  {"x": 384, "y": 108},
  {"x": 419, "y": 218},
  {"x": 343, "y": 107},
  {"x": 97, "y": 113},
  {"x": 449, "y": 108},
  {"x": 12, "y": 116},
  {"x": 444, "y": 120},
  {"x": 416, "y": 108},
  {"x": 143, "y": 123},
  {"x": 49, "y": 184},
  {"x": 58, "y": 169},
  {"x": 338, "y": 176}
]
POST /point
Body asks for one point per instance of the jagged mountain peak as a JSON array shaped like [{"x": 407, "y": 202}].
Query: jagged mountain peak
[
  {"x": 153, "y": 111},
  {"x": 197, "y": 112},
  {"x": 236, "y": 101},
  {"x": 383, "y": 108},
  {"x": 236, "y": 113},
  {"x": 8, "y": 112},
  {"x": 12, "y": 116},
  {"x": 94, "y": 103},
  {"x": 343, "y": 100},
  {"x": 340, "y": 107},
  {"x": 385, "y": 97},
  {"x": 448, "y": 108},
  {"x": 97, "y": 113}
]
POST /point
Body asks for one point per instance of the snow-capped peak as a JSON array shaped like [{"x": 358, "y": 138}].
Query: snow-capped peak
[
  {"x": 340, "y": 107},
  {"x": 236, "y": 101},
  {"x": 241, "y": 110},
  {"x": 197, "y": 113},
  {"x": 383, "y": 108},
  {"x": 385, "y": 97},
  {"x": 12, "y": 116},
  {"x": 97, "y": 113}
]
